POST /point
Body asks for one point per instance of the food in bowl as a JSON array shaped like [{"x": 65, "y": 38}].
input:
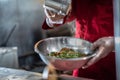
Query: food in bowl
[
  {"x": 67, "y": 53},
  {"x": 54, "y": 44}
]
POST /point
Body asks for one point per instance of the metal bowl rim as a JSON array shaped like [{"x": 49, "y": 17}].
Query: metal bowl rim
[{"x": 80, "y": 58}]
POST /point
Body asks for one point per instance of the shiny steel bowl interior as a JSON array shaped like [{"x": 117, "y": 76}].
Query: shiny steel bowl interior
[{"x": 48, "y": 45}]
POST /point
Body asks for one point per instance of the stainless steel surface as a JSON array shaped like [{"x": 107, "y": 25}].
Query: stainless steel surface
[
  {"x": 45, "y": 46},
  {"x": 8, "y": 57},
  {"x": 14, "y": 74},
  {"x": 116, "y": 4},
  {"x": 59, "y": 6}
]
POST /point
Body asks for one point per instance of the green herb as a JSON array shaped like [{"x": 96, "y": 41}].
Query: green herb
[{"x": 67, "y": 53}]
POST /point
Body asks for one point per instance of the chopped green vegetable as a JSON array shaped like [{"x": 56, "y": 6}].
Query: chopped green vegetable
[{"x": 67, "y": 53}]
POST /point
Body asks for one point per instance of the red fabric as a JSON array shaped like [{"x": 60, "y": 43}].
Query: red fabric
[{"x": 94, "y": 19}]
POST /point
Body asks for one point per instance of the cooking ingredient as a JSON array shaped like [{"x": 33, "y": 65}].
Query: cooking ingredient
[{"x": 67, "y": 53}]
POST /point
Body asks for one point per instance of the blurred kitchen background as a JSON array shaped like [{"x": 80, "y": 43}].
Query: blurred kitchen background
[{"x": 20, "y": 29}]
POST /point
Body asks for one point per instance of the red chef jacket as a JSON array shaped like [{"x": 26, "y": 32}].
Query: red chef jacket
[{"x": 94, "y": 19}]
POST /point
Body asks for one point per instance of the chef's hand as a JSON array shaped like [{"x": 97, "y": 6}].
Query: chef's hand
[{"x": 104, "y": 46}]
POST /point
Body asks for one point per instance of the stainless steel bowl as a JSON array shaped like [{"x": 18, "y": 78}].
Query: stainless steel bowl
[{"x": 48, "y": 45}]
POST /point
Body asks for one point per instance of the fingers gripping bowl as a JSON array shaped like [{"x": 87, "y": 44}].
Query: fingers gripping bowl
[{"x": 55, "y": 44}]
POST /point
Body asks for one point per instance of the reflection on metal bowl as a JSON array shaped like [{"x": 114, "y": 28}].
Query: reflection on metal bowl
[{"x": 55, "y": 44}]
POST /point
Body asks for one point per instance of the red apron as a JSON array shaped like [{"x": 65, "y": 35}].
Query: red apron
[{"x": 94, "y": 19}]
